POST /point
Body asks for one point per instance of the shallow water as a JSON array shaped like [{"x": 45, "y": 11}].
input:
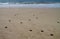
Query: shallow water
[
  {"x": 30, "y": 3},
  {"x": 55, "y": 5},
  {"x": 40, "y": 1}
]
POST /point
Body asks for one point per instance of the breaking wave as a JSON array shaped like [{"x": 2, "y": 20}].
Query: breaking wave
[{"x": 40, "y": 5}]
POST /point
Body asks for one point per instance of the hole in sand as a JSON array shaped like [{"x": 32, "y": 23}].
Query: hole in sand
[
  {"x": 36, "y": 17},
  {"x": 33, "y": 14},
  {"x": 15, "y": 15},
  {"x": 21, "y": 22},
  {"x": 9, "y": 20},
  {"x": 29, "y": 19},
  {"x": 6, "y": 27},
  {"x": 30, "y": 30},
  {"x": 51, "y": 34},
  {"x": 58, "y": 22},
  {"x": 42, "y": 31}
]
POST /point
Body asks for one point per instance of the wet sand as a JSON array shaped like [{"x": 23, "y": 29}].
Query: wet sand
[{"x": 29, "y": 23}]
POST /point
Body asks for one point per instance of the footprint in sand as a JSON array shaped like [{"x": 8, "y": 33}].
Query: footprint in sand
[
  {"x": 15, "y": 15},
  {"x": 36, "y": 17},
  {"x": 6, "y": 27},
  {"x": 51, "y": 34},
  {"x": 29, "y": 19},
  {"x": 42, "y": 30},
  {"x": 58, "y": 21},
  {"x": 21, "y": 22},
  {"x": 33, "y": 14},
  {"x": 9, "y": 20},
  {"x": 30, "y": 30}
]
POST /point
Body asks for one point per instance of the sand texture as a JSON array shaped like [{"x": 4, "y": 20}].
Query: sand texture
[{"x": 29, "y": 23}]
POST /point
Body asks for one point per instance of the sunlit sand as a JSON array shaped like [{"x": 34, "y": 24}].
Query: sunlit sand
[{"x": 29, "y": 23}]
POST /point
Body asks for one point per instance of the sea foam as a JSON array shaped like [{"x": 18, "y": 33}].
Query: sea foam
[{"x": 17, "y": 5}]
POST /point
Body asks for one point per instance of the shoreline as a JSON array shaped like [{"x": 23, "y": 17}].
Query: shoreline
[{"x": 53, "y": 5}]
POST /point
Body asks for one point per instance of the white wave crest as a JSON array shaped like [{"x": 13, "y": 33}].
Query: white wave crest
[{"x": 55, "y": 5}]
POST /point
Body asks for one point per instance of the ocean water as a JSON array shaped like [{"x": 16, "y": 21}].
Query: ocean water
[
  {"x": 36, "y": 1},
  {"x": 30, "y": 3}
]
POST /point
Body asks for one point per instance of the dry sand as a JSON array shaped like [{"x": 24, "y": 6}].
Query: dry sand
[{"x": 29, "y": 23}]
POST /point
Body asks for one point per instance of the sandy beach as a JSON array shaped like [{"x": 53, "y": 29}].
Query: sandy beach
[{"x": 29, "y": 23}]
